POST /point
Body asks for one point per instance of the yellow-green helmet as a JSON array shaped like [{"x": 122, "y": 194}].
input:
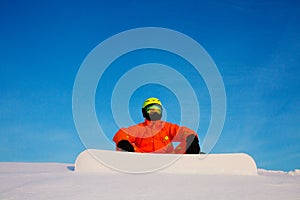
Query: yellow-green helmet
[{"x": 151, "y": 100}]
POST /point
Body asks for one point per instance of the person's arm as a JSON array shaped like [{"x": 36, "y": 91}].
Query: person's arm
[
  {"x": 125, "y": 141},
  {"x": 192, "y": 145},
  {"x": 125, "y": 145},
  {"x": 189, "y": 142}
]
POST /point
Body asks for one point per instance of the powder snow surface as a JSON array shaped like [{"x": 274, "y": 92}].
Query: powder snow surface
[{"x": 59, "y": 181}]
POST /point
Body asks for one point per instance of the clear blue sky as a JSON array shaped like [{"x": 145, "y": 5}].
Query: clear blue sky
[{"x": 255, "y": 45}]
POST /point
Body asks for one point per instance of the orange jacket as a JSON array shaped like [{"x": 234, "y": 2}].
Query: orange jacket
[{"x": 155, "y": 137}]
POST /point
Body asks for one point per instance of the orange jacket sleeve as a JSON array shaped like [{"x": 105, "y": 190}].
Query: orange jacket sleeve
[
  {"x": 123, "y": 134},
  {"x": 180, "y": 135}
]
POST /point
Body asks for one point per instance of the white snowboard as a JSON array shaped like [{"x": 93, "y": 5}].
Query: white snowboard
[{"x": 93, "y": 160}]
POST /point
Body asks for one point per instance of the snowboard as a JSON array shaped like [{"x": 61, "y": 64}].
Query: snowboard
[{"x": 106, "y": 161}]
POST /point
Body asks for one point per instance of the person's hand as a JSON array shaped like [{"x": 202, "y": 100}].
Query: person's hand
[
  {"x": 192, "y": 145},
  {"x": 125, "y": 146}
]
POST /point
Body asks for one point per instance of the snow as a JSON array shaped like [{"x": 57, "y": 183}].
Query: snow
[{"x": 59, "y": 181}]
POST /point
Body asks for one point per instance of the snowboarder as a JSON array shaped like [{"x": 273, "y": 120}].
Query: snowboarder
[{"x": 155, "y": 135}]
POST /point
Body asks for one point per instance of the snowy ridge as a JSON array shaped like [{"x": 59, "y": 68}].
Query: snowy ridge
[{"x": 295, "y": 172}]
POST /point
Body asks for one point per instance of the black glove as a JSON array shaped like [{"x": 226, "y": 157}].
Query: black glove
[
  {"x": 125, "y": 146},
  {"x": 192, "y": 145}
]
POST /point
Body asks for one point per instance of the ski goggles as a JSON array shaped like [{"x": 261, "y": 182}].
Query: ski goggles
[{"x": 154, "y": 108}]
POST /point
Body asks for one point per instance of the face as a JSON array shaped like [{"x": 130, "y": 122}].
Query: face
[{"x": 154, "y": 112}]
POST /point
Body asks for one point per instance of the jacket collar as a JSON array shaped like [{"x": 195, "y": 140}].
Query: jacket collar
[{"x": 153, "y": 123}]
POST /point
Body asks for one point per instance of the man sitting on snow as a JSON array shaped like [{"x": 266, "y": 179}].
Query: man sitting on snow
[{"x": 155, "y": 135}]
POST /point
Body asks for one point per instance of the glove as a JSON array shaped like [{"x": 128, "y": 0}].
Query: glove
[
  {"x": 125, "y": 146},
  {"x": 192, "y": 145}
]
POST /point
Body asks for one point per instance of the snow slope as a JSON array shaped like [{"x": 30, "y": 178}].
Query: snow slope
[{"x": 59, "y": 181}]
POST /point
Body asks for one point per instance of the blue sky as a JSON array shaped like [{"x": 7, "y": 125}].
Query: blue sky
[{"x": 255, "y": 45}]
